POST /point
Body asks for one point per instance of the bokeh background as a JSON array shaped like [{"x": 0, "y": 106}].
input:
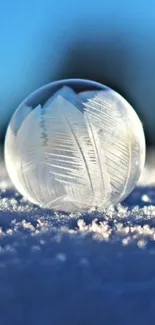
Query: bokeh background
[{"x": 108, "y": 41}]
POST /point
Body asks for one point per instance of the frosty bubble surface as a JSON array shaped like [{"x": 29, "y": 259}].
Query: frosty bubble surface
[{"x": 75, "y": 151}]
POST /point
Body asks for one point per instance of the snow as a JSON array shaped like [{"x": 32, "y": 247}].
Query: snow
[{"x": 78, "y": 269}]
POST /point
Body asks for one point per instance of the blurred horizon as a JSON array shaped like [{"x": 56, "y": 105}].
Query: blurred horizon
[{"x": 110, "y": 42}]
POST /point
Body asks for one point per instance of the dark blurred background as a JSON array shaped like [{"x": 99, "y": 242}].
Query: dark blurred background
[{"x": 112, "y": 42}]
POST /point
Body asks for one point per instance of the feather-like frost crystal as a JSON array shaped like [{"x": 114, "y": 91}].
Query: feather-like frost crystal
[{"x": 76, "y": 151}]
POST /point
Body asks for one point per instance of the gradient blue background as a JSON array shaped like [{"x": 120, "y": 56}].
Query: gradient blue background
[{"x": 108, "y": 41}]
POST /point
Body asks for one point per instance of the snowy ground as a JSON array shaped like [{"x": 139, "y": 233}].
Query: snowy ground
[{"x": 94, "y": 269}]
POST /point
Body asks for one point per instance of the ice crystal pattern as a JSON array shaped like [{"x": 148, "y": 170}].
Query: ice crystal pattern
[{"x": 75, "y": 152}]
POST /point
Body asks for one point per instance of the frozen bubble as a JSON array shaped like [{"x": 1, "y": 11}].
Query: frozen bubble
[{"x": 74, "y": 145}]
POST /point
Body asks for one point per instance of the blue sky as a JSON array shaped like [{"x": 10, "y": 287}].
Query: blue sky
[{"x": 36, "y": 36}]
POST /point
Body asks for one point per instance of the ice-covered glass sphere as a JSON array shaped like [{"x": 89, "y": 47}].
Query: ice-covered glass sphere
[{"x": 73, "y": 145}]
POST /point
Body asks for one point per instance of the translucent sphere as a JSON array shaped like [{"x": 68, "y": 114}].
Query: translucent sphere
[{"x": 74, "y": 145}]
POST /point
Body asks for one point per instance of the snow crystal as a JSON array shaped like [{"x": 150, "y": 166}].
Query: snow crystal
[
  {"x": 145, "y": 198},
  {"x": 61, "y": 257}
]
